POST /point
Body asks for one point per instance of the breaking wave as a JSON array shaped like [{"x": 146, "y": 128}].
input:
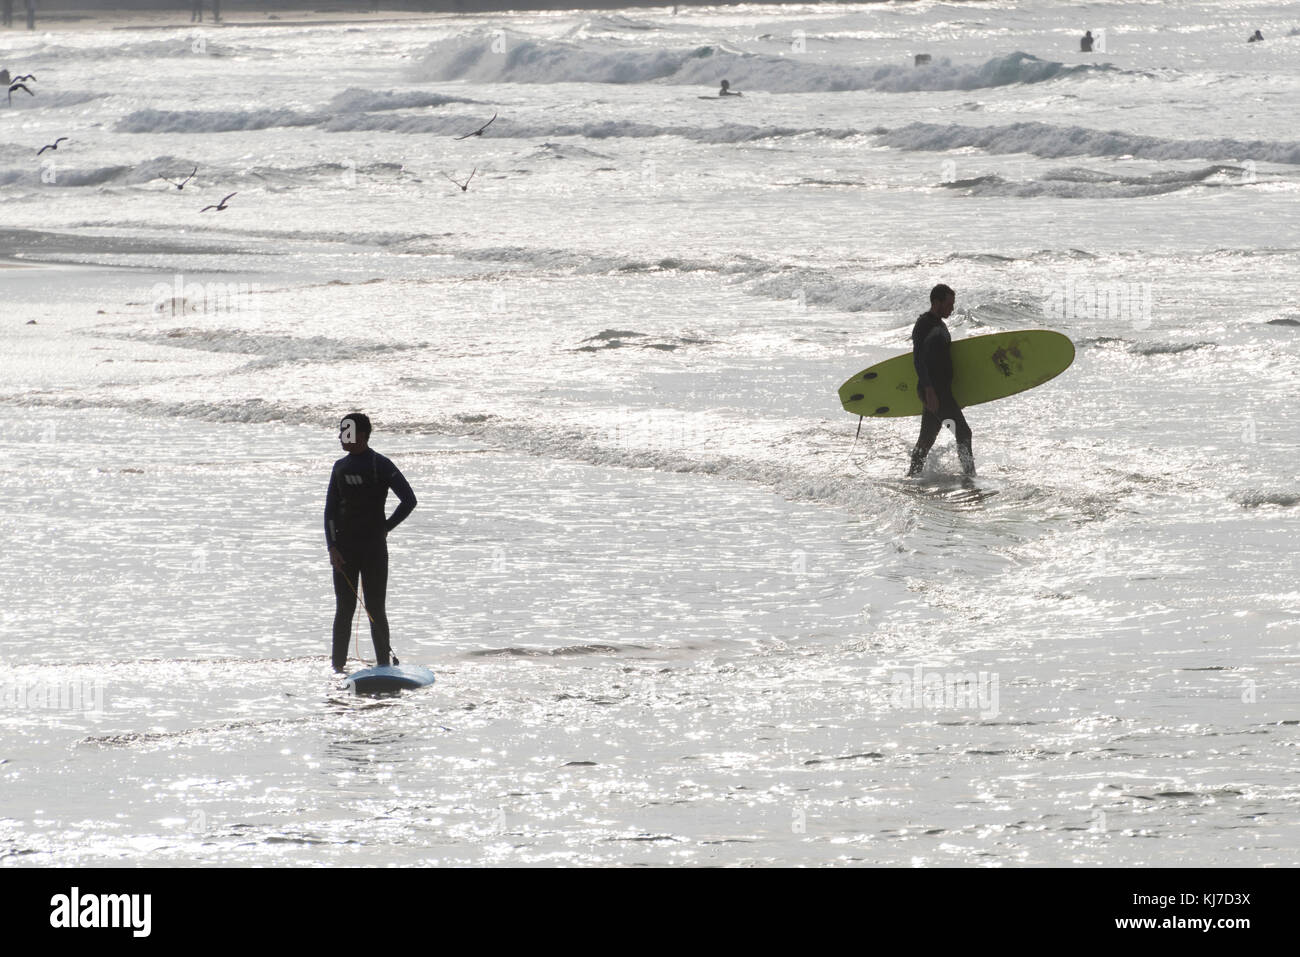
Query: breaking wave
[
  {"x": 1257, "y": 498},
  {"x": 517, "y": 59},
  {"x": 1044, "y": 139},
  {"x": 212, "y": 121},
  {"x": 1078, "y": 183},
  {"x": 350, "y": 103}
]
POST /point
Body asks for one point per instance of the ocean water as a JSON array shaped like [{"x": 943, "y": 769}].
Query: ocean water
[{"x": 677, "y": 613}]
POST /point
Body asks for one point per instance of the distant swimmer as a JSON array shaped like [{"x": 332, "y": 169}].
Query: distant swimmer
[
  {"x": 51, "y": 146},
  {"x": 1085, "y": 42},
  {"x": 479, "y": 131},
  {"x": 1255, "y": 38},
  {"x": 921, "y": 59},
  {"x": 356, "y": 533},
  {"x": 18, "y": 86},
  {"x": 930, "y": 355},
  {"x": 219, "y": 206},
  {"x": 464, "y": 187},
  {"x": 181, "y": 184},
  {"x": 726, "y": 90}
]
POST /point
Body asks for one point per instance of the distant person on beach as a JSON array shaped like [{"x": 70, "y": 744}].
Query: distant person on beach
[
  {"x": 1256, "y": 37},
  {"x": 216, "y": 11},
  {"x": 357, "y": 534},
  {"x": 196, "y": 11},
  {"x": 1085, "y": 43},
  {"x": 726, "y": 90},
  {"x": 931, "y": 342},
  {"x": 8, "y": 15},
  {"x": 31, "y": 13}
]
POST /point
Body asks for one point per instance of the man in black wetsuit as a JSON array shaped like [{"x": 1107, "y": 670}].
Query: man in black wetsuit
[
  {"x": 356, "y": 533},
  {"x": 930, "y": 344}
]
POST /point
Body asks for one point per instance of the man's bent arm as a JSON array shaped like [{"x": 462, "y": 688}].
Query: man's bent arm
[{"x": 397, "y": 482}]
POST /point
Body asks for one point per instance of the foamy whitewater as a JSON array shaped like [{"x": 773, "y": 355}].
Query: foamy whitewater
[{"x": 677, "y": 615}]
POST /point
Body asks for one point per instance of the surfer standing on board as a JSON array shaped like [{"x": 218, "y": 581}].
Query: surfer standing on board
[
  {"x": 930, "y": 355},
  {"x": 356, "y": 533}
]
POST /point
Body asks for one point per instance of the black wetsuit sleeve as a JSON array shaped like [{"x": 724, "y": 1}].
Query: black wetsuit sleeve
[
  {"x": 934, "y": 361},
  {"x": 923, "y": 380},
  {"x": 331, "y": 509},
  {"x": 402, "y": 489},
  {"x": 920, "y": 359}
]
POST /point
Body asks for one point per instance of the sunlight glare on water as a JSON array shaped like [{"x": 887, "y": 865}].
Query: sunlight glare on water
[{"x": 676, "y": 612}]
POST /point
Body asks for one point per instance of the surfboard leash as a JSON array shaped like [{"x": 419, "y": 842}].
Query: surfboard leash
[
  {"x": 356, "y": 622},
  {"x": 359, "y": 598},
  {"x": 856, "y": 436}
]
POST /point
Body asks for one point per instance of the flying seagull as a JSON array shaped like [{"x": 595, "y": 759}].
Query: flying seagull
[
  {"x": 18, "y": 86},
  {"x": 219, "y": 206},
  {"x": 181, "y": 184},
  {"x": 51, "y": 146},
  {"x": 25, "y": 76},
  {"x": 479, "y": 131},
  {"x": 464, "y": 187}
]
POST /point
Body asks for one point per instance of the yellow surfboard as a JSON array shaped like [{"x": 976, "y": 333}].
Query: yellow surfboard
[{"x": 984, "y": 368}]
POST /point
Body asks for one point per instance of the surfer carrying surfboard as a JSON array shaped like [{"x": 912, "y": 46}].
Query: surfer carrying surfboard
[
  {"x": 356, "y": 533},
  {"x": 930, "y": 355}
]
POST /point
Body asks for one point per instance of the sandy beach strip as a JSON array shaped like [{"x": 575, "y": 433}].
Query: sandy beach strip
[{"x": 84, "y": 21}]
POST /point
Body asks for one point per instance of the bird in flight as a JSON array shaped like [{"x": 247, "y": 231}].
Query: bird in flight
[
  {"x": 479, "y": 131},
  {"x": 181, "y": 184},
  {"x": 464, "y": 187},
  {"x": 51, "y": 146},
  {"x": 219, "y": 206},
  {"x": 25, "y": 76},
  {"x": 18, "y": 86}
]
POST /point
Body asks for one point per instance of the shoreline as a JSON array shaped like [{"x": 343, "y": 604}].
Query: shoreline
[
  {"x": 77, "y": 18},
  {"x": 175, "y": 19}
]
